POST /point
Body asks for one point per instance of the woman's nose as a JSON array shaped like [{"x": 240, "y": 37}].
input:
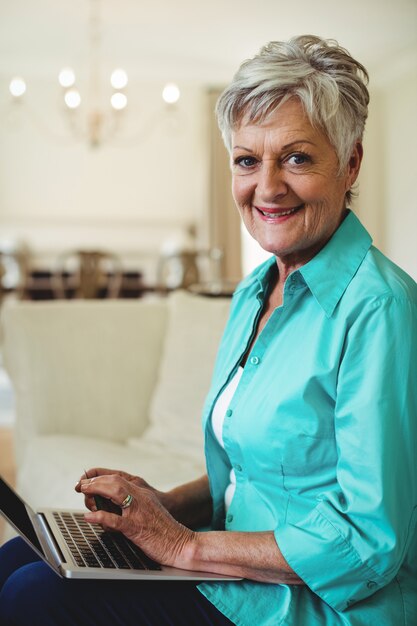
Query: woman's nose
[{"x": 271, "y": 182}]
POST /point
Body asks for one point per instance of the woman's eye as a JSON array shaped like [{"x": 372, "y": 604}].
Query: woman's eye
[
  {"x": 245, "y": 161},
  {"x": 298, "y": 159}
]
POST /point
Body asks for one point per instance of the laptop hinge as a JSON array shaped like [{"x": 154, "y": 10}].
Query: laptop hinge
[{"x": 48, "y": 543}]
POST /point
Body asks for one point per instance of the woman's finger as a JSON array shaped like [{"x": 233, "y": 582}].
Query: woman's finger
[
  {"x": 113, "y": 487},
  {"x": 90, "y": 503},
  {"x": 108, "y": 521},
  {"x": 95, "y": 472}
]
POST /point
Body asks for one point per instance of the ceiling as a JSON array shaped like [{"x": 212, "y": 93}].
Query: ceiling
[{"x": 196, "y": 41}]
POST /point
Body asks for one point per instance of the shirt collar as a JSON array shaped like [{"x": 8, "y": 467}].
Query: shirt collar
[
  {"x": 259, "y": 277},
  {"x": 329, "y": 273}
]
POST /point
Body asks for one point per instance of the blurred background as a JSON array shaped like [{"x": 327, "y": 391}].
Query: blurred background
[{"x": 141, "y": 176}]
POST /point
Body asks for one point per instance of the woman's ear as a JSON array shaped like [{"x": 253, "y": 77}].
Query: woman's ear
[{"x": 354, "y": 165}]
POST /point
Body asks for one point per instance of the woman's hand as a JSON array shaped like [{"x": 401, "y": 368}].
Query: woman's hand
[
  {"x": 94, "y": 472},
  {"x": 146, "y": 521},
  {"x": 190, "y": 503}
]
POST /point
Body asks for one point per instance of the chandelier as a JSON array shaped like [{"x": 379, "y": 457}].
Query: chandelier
[{"x": 86, "y": 115}]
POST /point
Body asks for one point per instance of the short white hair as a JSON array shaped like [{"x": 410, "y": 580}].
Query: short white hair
[{"x": 328, "y": 81}]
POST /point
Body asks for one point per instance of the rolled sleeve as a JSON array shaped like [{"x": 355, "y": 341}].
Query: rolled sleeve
[{"x": 325, "y": 560}]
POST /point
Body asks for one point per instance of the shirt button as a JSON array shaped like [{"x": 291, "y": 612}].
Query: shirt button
[
  {"x": 371, "y": 584},
  {"x": 229, "y": 412},
  {"x": 238, "y": 468},
  {"x": 255, "y": 360},
  {"x": 230, "y": 518}
]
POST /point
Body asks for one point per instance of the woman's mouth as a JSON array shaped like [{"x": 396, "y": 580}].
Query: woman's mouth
[{"x": 276, "y": 214}]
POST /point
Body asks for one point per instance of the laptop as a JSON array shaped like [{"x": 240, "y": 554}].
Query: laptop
[{"x": 73, "y": 548}]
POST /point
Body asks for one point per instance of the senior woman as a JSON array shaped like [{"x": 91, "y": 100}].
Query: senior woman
[{"x": 311, "y": 419}]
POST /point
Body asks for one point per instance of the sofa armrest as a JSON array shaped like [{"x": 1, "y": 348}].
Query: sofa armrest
[{"x": 82, "y": 367}]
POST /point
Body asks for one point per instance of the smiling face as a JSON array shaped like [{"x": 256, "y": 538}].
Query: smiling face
[{"x": 287, "y": 185}]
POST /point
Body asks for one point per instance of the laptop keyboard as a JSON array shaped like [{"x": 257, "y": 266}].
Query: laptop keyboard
[{"x": 91, "y": 546}]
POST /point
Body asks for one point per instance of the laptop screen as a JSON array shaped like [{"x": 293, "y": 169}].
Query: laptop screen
[{"x": 14, "y": 510}]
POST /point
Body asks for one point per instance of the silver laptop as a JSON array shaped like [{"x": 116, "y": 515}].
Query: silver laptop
[{"x": 73, "y": 548}]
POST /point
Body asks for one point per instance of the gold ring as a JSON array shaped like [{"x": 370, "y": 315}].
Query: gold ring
[{"x": 127, "y": 501}]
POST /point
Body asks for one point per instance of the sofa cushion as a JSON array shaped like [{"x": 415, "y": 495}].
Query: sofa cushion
[
  {"x": 83, "y": 367},
  {"x": 54, "y": 463},
  {"x": 195, "y": 326}
]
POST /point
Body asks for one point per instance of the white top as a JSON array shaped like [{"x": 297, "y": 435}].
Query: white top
[{"x": 217, "y": 420}]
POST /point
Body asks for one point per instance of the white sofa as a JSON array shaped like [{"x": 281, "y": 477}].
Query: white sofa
[{"x": 116, "y": 383}]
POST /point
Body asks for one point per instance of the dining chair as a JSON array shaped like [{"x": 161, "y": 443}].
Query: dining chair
[{"x": 87, "y": 274}]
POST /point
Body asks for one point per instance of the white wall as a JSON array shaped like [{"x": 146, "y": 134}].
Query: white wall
[
  {"x": 387, "y": 202},
  {"x": 129, "y": 195},
  {"x": 400, "y": 168}
]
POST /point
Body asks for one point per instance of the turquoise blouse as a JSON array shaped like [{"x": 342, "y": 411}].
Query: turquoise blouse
[{"x": 322, "y": 434}]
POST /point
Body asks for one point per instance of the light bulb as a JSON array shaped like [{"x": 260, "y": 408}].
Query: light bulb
[
  {"x": 118, "y": 79},
  {"x": 17, "y": 87},
  {"x": 66, "y": 77},
  {"x": 72, "y": 99},
  {"x": 171, "y": 93},
  {"x": 118, "y": 101}
]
